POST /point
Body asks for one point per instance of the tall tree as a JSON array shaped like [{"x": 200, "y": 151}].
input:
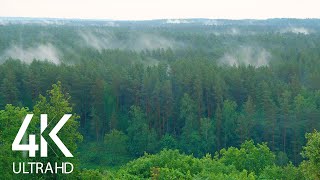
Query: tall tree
[
  {"x": 116, "y": 145},
  {"x": 246, "y": 120},
  {"x": 190, "y": 137},
  {"x": 285, "y": 108},
  {"x": 56, "y": 105},
  {"x": 218, "y": 127},
  {"x": 207, "y": 134},
  {"x": 229, "y": 118},
  {"x": 99, "y": 109},
  {"x": 141, "y": 138},
  {"x": 9, "y": 89}
]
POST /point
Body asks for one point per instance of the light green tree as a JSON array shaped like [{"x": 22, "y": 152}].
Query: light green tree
[
  {"x": 250, "y": 157},
  {"x": 311, "y": 166},
  {"x": 56, "y": 105},
  {"x": 10, "y": 121}
]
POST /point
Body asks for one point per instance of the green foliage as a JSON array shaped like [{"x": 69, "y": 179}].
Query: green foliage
[
  {"x": 90, "y": 174},
  {"x": 250, "y": 157},
  {"x": 311, "y": 166},
  {"x": 282, "y": 159},
  {"x": 55, "y": 105},
  {"x": 188, "y": 96},
  {"x": 275, "y": 103},
  {"x": 230, "y": 116},
  {"x": 141, "y": 138},
  {"x": 173, "y": 165},
  {"x": 207, "y": 134},
  {"x": 94, "y": 156},
  {"x": 288, "y": 172},
  {"x": 188, "y": 114},
  {"x": 168, "y": 142},
  {"x": 116, "y": 146},
  {"x": 190, "y": 137},
  {"x": 244, "y": 175},
  {"x": 246, "y": 120},
  {"x": 117, "y": 140},
  {"x": 11, "y": 119}
]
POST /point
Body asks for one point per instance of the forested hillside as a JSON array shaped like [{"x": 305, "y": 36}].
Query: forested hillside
[{"x": 226, "y": 100}]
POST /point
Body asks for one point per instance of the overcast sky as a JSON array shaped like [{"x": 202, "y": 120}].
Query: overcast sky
[{"x": 161, "y": 9}]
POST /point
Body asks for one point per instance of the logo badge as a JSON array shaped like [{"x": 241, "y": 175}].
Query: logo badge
[{"x": 32, "y": 147}]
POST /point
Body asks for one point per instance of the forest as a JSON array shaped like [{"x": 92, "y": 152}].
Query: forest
[{"x": 206, "y": 99}]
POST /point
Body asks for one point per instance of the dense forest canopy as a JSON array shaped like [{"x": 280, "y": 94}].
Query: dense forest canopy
[{"x": 237, "y": 90}]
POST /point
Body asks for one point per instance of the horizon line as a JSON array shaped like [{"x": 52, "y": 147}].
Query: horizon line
[{"x": 155, "y": 19}]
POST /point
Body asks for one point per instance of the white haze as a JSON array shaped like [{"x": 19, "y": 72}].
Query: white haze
[
  {"x": 211, "y": 22},
  {"x": 111, "y": 24},
  {"x": 246, "y": 55},
  {"x": 43, "y": 52},
  {"x": 233, "y": 31},
  {"x": 133, "y": 41},
  {"x": 296, "y": 30},
  {"x": 177, "y": 21}
]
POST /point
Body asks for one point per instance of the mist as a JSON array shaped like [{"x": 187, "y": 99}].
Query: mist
[
  {"x": 177, "y": 21},
  {"x": 296, "y": 30},
  {"x": 211, "y": 23},
  {"x": 246, "y": 55},
  {"x": 42, "y": 52},
  {"x": 137, "y": 41}
]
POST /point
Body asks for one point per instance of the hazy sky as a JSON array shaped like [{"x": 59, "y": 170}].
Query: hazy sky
[{"x": 159, "y": 9}]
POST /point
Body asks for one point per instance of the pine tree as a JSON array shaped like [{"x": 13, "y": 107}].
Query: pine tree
[
  {"x": 218, "y": 127},
  {"x": 141, "y": 138},
  {"x": 229, "y": 118},
  {"x": 246, "y": 120}
]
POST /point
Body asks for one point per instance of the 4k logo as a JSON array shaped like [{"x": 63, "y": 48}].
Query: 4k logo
[{"x": 32, "y": 147}]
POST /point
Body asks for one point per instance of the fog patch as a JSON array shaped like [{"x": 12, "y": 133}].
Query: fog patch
[
  {"x": 211, "y": 23},
  {"x": 151, "y": 41},
  {"x": 177, "y": 21},
  {"x": 246, "y": 55},
  {"x": 233, "y": 31},
  {"x": 94, "y": 41},
  {"x": 150, "y": 62},
  {"x": 44, "y": 52},
  {"x": 3, "y": 23},
  {"x": 296, "y": 30},
  {"x": 111, "y": 24},
  {"x": 137, "y": 41},
  {"x": 229, "y": 31}
]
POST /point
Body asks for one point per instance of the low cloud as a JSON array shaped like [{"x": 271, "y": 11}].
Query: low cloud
[
  {"x": 177, "y": 21},
  {"x": 111, "y": 24},
  {"x": 246, "y": 55},
  {"x": 44, "y": 52},
  {"x": 296, "y": 30},
  {"x": 233, "y": 31},
  {"x": 95, "y": 41},
  {"x": 151, "y": 41},
  {"x": 132, "y": 41},
  {"x": 211, "y": 23}
]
